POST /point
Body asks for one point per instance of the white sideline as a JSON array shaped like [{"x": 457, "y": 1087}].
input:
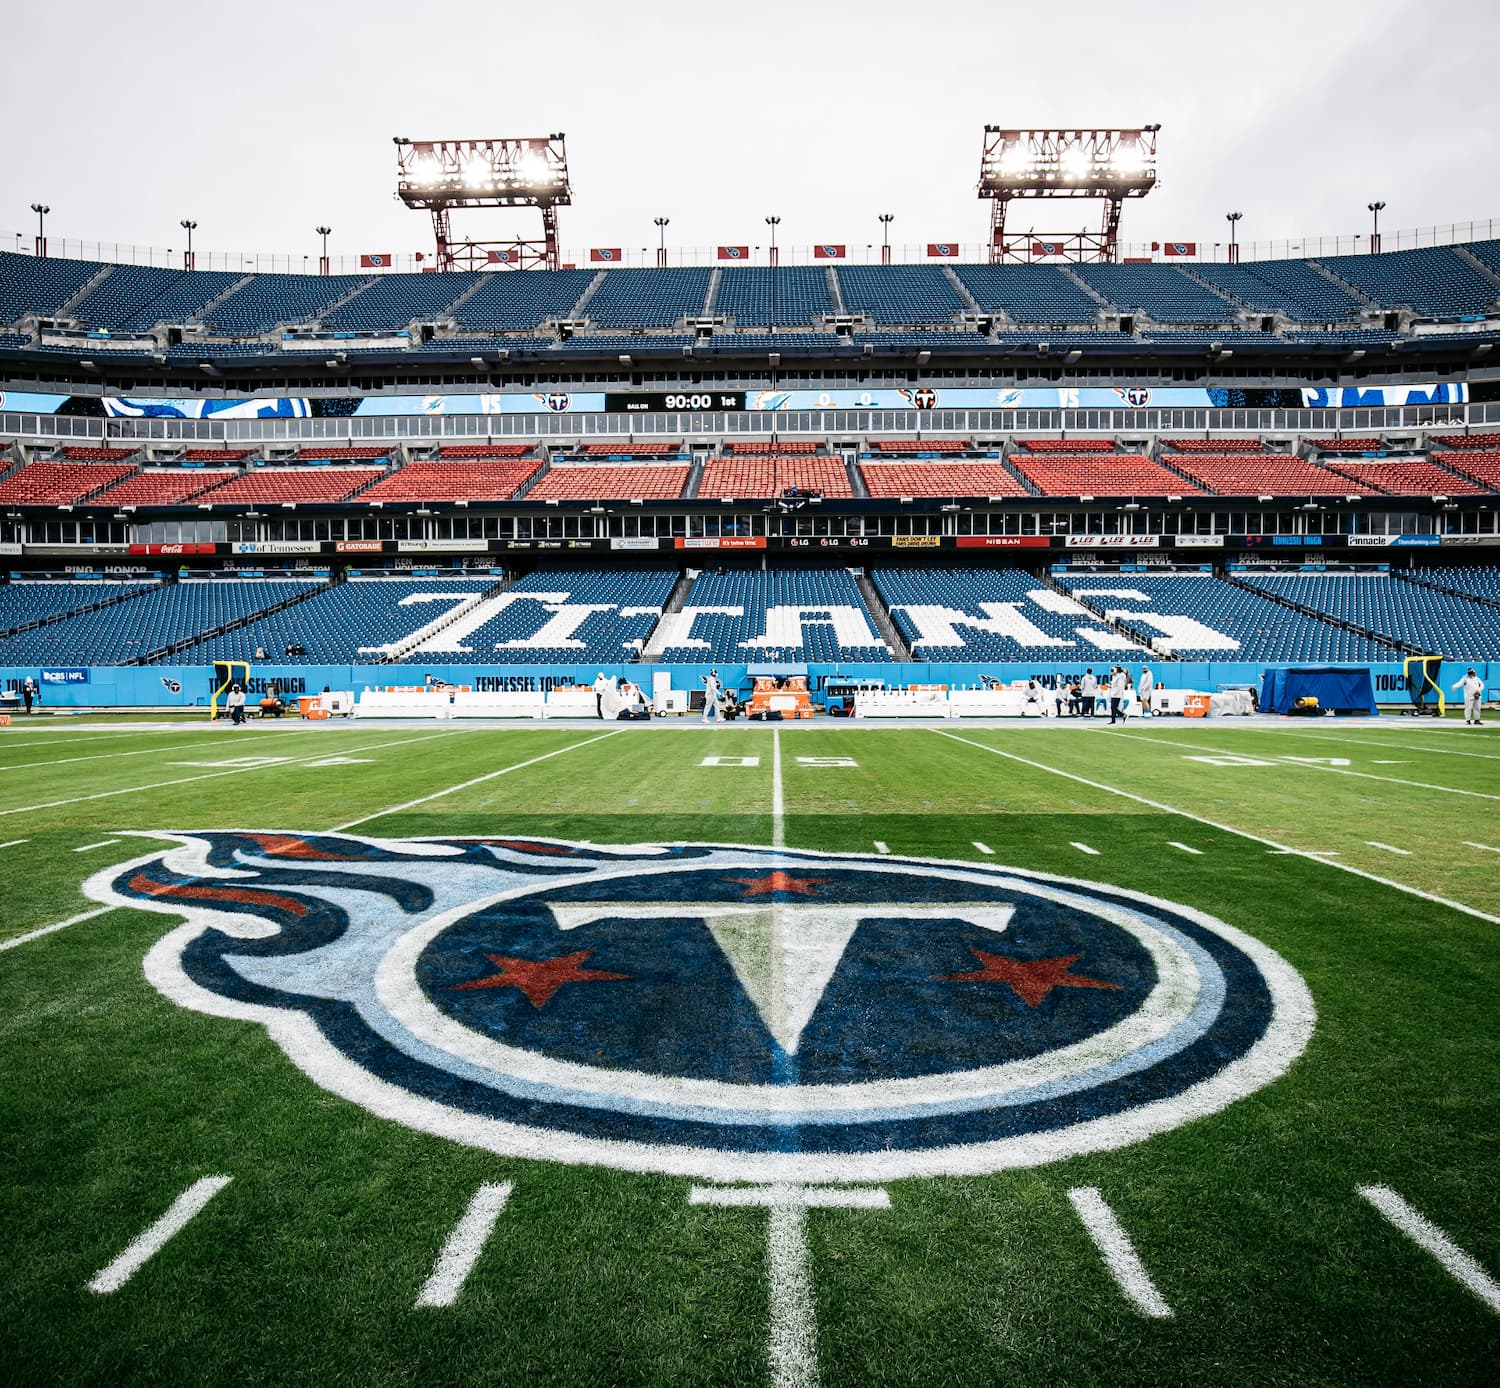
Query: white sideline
[
  {"x": 794, "y": 1326},
  {"x": 48, "y": 929},
  {"x": 232, "y": 771},
  {"x": 216, "y": 739},
  {"x": 778, "y": 799},
  {"x": 464, "y": 1245},
  {"x": 1313, "y": 766},
  {"x": 464, "y": 785},
  {"x": 1427, "y": 1235},
  {"x": 810, "y": 1197},
  {"x": 1228, "y": 829},
  {"x": 1120, "y": 1256},
  {"x": 1375, "y": 740},
  {"x": 151, "y": 1239}
]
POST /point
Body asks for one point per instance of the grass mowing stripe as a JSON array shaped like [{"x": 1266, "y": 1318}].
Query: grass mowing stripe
[
  {"x": 1427, "y": 1235},
  {"x": 464, "y": 785},
  {"x": 151, "y": 1240},
  {"x": 1230, "y": 829},
  {"x": 277, "y": 765},
  {"x": 149, "y": 751},
  {"x": 49, "y": 929},
  {"x": 1120, "y": 1257},
  {"x": 464, "y": 1245},
  {"x": 1314, "y": 766}
]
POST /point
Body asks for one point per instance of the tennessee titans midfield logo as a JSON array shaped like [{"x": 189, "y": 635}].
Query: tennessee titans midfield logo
[{"x": 719, "y": 1011}]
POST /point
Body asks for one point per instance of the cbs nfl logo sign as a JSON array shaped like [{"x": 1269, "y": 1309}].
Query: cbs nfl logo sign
[{"x": 719, "y": 1011}]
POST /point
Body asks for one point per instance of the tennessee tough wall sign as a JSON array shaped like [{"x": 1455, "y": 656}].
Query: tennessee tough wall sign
[{"x": 722, "y": 1012}]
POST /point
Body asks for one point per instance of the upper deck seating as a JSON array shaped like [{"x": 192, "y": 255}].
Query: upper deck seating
[
  {"x": 1099, "y": 474},
  {"x": 938, "y": 479},
  {"x": 466, "y": 479},
  {"x": 611, "y": 482},
  {"x": 59, "y": 484},
  {"x": 272, "y": 486}
]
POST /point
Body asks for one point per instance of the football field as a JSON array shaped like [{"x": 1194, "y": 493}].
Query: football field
[{"x": 747, "y": 1055}]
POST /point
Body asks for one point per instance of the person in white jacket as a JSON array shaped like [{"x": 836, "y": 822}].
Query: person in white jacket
[
  {"x": 1147, "y": 688},
  {"x": 1116, "y": 694},
  {"x": 1473, "y": 688},
  {"x": 1089, "y": 688}
]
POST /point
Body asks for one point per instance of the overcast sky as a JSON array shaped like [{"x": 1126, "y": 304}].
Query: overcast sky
[{"x": 262, "y": 120}]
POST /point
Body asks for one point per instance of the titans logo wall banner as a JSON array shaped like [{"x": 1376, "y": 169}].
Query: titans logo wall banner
[{"x": 716, "y": 1011}]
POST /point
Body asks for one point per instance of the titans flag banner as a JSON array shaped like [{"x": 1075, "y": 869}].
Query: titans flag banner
[
  {"x": 503, "y": 257},
  {"x": 718, "y": 1010},
  {"x": 605, "y": 253},
  {"x": 734, "y": 252},
  {"x": 1180, "y": 248},
  {"x": 828, "y": 252},
  {"x": 1046, "y": 248},
  {"x": 942, "y": 248},
  {"x": 379, "y": 260}
]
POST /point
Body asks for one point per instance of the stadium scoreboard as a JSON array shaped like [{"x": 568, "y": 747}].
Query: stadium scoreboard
[{"x": 686, "y": 402}]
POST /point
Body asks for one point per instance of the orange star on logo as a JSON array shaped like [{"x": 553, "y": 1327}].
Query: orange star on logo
[
  {"x": 539, "y": 979},
  {"x": 1031, "y": 979},
  {"x": 778, "y": 881}
]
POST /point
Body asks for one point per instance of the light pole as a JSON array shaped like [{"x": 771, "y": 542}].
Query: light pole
[
  {"x": 1375, "y": 209},
  {"x": 773, "y": 223},
  {"x": 325, "y": 233},
  {"x": 1233, "y": 218},
  {"x": 661, "y": 249},
  {"x": 886, "y": 218},
  {"x": 41, "y": 209},
  {"x": 190, "y": 228}
]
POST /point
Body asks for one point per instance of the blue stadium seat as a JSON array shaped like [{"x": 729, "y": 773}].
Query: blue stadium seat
[
  {"x": 801, "y": 293},
  {"x": 29, "y": 285},
  {"x": 520, "y": 300},
  {"x": 1029, "y": 293},
  {"x": 1435, "y": 282},
  {"x": 648, "y": 298},
  {"x": 1162, "y": 292},
  {"x": 905, "y": 294},
  {"x": 271, "y": 301}
]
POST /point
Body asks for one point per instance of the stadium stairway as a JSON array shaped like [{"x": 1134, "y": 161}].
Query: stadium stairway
[
  {"x": 395, "y": 654},
  {"x": 695, "y": 476},
  {"x": 1021, "y": 478},
  {"x": 1385, "y": 638},
  {"x": 451, "y": 312},
  {"x": 118, "y": 598},
  {"x": 1464, "y": 253},
  {"x": 1123, "y": 629},
  {"x": 1348, "y": 288},
  {"x": 1087, "y": 288},
  {"x": 1433, "y": 587},
  {"x": 651, "y": 648},
  {"x": 219, "y": 298},
  {"x": 590, "y": 290},
  {"x": 963, "y": 291},
  {"x": 836, "y": 292},
  {"x": 856, "y": 478},
  {"x": 711, "y": 293},
  {"x": 535, "y": 477},
  {"x": 82, "y": 293},
  {"x": 1165, "y": 460},
  {"x": 885, "y": 624},
  {"x": 162, "y": 652}
]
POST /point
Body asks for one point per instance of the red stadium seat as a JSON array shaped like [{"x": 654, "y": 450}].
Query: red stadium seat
[
  {"x": 1067, "y": 445},
  {"x": 611, "y": 482},
  {"x": 747, "y": 448},
  {"x": 1468, "y": 442},
  {"x": 939, "y": 479},
  {"x": 1265, "y": 474},
  {"x": 275, "y": 485},
  {"x": 469, "y": 480},
  {"x": 921, "y": 445},
  {"x": 1357, "y": 445},
  {"x": 164, "y": 486},
  {"x": 78, "y": 453},
  {"x": 1218, "y": 447},
  {"x": 1410, "y": 477},
  {"x": 60, "y": 484},
  {"x": 485, "y": 450},
  {"x": 772, "y": 476},
  {"x": 630, "y": 449},
  {"x": 1482, "y": 465},
  {"x": 1095, "y": 474}
]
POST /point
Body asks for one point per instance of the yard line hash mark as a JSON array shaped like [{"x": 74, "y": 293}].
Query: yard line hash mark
[
  {"x": 13, "y": 843},
  {"x": 1186, "y": 848},
  {"x": 90, "y": 847},
  {"x": 49, "y": 929},
  {"x": 1468, "y": 843},
  {"x": 984, "y": 848},
  {"x": 1389, "y": 847},
  {"x": 1427, "y": 1235},
  {"x": 1084, "y": 848},
  {"x": 881, "y": 846},
  {"x": 1120, "y": 1257},
  {"x": 151, "y": 1240},
  {"x": 464, "y": 1245}
]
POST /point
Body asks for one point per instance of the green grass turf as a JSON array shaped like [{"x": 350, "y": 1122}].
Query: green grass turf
[{"x": 305, "y": 1269}]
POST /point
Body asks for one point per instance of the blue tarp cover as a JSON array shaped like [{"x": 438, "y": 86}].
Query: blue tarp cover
[{"x": 1333, "y": 687}]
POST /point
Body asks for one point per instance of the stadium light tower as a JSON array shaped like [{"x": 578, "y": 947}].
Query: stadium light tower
[
  {"x": 773, "y": 223},
  {"x": 41, "y": 209},
  {"x": 325, "y": 233},
  {"x": 190, "y": 227},
  {"x": 886, "y": 218},
  {"x": 1375, "y": 209},
  {"x": 661, "y": 249},
  {"x": 438, "y": 175},
  {"x": 1233, "y": 218},
  {"x": 1111, "y": 165}
]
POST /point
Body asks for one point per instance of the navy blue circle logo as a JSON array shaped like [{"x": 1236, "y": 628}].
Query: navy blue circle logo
[{"x": 731, "y": 1012}]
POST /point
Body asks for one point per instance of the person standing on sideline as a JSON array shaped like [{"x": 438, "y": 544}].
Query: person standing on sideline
[
  {"x": 28, "y": 693},
  {"x": 1471, "y": 684},
  {"x": 1089, "y": 688},
  {"x": 600, "y": 685},
  {"x": 1116, "y": 694},
  {"x": 710, "y": 695},
  {"x": 1148, "y": 687},
  {"x": 236, "y": 705}
]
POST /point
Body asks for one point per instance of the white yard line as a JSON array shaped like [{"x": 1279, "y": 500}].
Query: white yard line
[
  {"x": 1313, "y": 766},
  {"x": 150, "y": 1240},
  {"x": 984, "y": 848},
  {"x": 1376, "y": 741},
  {"x": 778, "y": 800},
  {"x": 1427, "y": 1235},
  {"x": 48, "y": 929},
  {"x": 1120, "y": 1256},
  {"x": 212, "y": 775},
  {"x": 464, "y": 1245},
  {"x": 214, "y": 741},
  {"x": 1186, "y": 848},
  {"x": 1389, "y": 848},
  {"x": 794, "y": 1326},
  {"x": 1083, "y": 848},
  {"x": 811, "y": 1197},
  {"x": 1468, "y": 843},
  {"x": 90, "y": 847},
  {"x": 464, "y": 785},
  {"x": 14, "y": 843},
  {"x": 881, "y": 846},
  {"x": 1227, "y": 829}
]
